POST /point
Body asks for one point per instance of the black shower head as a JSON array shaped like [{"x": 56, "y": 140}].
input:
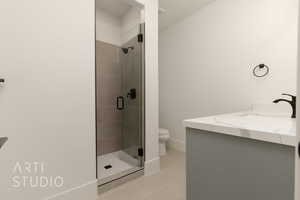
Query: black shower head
[{"x": 126, "y": 50}]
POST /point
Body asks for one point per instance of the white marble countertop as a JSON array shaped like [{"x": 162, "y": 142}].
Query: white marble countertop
[{"x": 275, "y": 128}]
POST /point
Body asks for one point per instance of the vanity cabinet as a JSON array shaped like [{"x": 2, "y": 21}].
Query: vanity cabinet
[{"x": 225, "y": 167}]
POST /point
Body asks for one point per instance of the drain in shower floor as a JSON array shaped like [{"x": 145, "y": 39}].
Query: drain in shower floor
[{"x": 107, "y": 166}]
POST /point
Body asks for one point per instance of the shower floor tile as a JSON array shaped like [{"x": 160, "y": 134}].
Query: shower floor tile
[
  {"x": 111, "y": 164},
  {"x": 169, "y": 184}
]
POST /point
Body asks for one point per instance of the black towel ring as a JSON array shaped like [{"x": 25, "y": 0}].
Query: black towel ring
[{"x": 261, "y": 70}]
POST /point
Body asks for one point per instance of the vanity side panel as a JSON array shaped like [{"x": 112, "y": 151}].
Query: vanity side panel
[
  {"x": 188, "y": 158},
  {"x": 227, "y": 167}
]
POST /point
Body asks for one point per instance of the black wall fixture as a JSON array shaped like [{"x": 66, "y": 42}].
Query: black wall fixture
[
  {"x": 299, "y": 149},
  {"x": 3, "y": 140},
  {"x": 261, "y": 70},
  {"x": 132, "y": 93}
]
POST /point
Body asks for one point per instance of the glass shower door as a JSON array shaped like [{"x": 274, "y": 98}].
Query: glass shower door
[
  {"x": 133, "y": 92},
  {"x": 120, "y": 109}
]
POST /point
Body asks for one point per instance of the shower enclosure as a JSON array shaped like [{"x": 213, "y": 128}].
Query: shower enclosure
[{"x": 120, "y": 108}]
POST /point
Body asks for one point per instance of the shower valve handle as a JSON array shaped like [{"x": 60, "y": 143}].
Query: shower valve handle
[{"x": 132, "y": 93}]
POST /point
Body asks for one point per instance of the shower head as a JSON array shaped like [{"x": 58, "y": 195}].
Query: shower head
[{"x": 126, "y": 50}]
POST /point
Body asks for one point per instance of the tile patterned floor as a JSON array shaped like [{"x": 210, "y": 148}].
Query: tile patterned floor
[{"x": 169, "y": 184}]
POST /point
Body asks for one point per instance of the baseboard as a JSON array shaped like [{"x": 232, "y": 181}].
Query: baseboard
[
  {"x": 87, "y": 191},
  {"x": 177, "y": 145},
  {"x": 152, "y": 166}
]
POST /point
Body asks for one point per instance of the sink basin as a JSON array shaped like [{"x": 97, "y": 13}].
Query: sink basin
[{"x": 259, "y": 121}]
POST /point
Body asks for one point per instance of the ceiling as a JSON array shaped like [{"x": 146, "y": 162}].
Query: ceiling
[
  {"x": 177, "y": 10},
  {"x": 115, "y": 7}
]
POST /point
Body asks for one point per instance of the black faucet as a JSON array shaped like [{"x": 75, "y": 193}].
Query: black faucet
[{"x": 291, "y": 102}]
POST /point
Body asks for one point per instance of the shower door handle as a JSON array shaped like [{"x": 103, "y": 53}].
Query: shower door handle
[{"x": 120, "y": 103}]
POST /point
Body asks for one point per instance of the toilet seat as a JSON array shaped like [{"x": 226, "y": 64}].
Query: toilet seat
[
  {"x": 164, "y": 135},
  {"x": 164, "y": 132}
]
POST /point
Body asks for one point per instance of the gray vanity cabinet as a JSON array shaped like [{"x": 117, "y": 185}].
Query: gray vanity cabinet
[{"x": 224, "y": 167}]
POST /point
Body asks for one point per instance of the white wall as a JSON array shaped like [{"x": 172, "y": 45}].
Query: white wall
[
  {"x": 152, "y": 164},
  {"x": 131, "y": 24},
  {"x": 108, "y": 27},
  {"x": 206, "y": 60},
  {"x": 47, "y": 105},
  {"x": 118, "y": 30}
]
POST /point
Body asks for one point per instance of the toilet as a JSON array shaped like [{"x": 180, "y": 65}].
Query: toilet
[{"x": 164, "y": 136}]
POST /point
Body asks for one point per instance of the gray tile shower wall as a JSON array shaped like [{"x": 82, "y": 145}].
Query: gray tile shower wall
[{"x": 109, "y": 87}]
